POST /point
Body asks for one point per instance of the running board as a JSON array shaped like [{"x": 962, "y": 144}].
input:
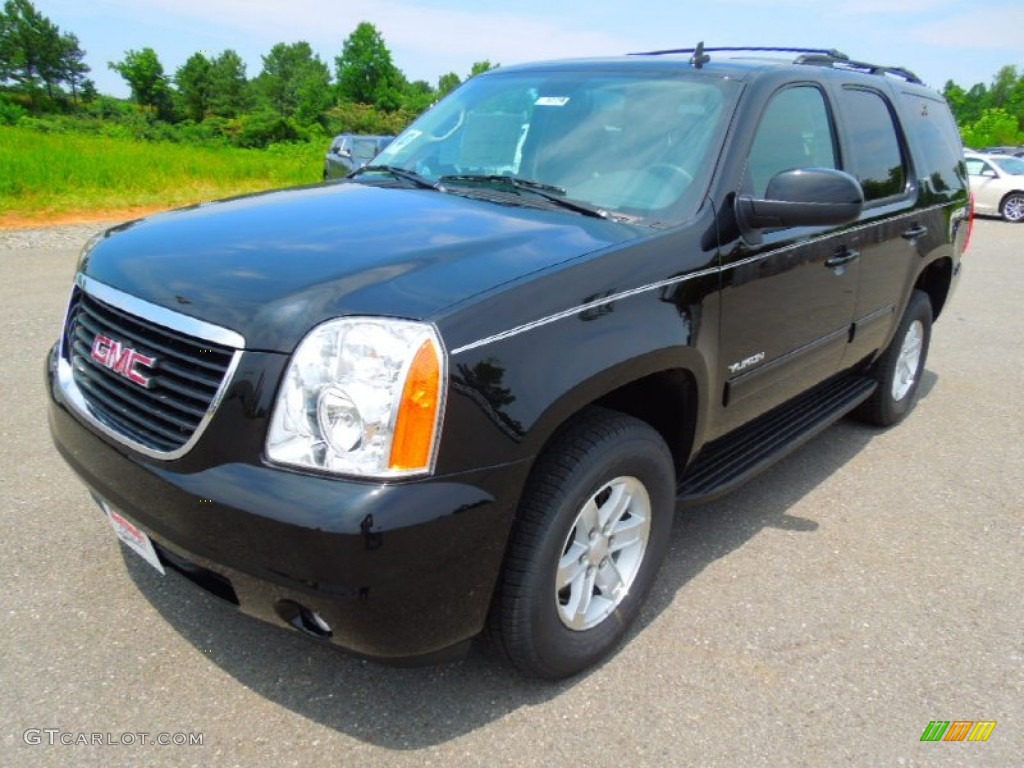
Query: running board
[{"x": 727, "y": 463}]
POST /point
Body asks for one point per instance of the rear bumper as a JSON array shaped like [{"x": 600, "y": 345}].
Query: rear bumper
[{"x": 396, "y": 571}]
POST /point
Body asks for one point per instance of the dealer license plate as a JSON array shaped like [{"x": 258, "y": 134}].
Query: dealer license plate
[{"x": 132, "y": 536}]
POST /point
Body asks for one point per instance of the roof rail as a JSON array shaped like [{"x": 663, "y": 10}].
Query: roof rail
[
  {"x": 820, "y": 57},
  {"x": 734, "y": 49},
  {"x": 859, "y": 66}
]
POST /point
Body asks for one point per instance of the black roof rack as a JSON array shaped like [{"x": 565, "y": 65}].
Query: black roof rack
[
  {"x": 859, "y": 66},
  {"x": 820, "y": 57}
]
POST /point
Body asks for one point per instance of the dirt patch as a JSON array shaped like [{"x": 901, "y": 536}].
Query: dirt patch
[{"x": 9, "y": 221}]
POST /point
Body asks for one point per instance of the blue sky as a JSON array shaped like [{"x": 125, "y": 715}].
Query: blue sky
[{"x": 938, "y": 39}]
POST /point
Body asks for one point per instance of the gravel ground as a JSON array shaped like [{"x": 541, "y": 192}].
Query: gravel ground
[{"x": 49, "y": 238}]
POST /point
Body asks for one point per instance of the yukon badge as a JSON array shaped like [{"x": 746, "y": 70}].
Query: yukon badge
[
  {"x": 121, "y": 359},
  {"x": 742, "y": 366}
]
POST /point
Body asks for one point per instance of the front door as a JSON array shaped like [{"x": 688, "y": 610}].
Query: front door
[{"x": 787, "y": 302}]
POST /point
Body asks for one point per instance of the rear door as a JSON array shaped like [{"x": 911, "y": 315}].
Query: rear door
[{"x": 890, "y": 228}]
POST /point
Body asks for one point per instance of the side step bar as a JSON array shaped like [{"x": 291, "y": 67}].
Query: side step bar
[{"x": 730, "y": 461}]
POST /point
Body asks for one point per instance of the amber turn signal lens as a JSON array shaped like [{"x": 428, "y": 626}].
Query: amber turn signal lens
[{"x": 413, "y": 439}]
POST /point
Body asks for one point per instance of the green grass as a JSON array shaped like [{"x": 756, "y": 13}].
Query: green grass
[{"x": 50, "y": 174}]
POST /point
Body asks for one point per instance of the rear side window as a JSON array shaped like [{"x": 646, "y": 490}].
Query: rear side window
[
  {"x": 976, "y": 166},
  {"x": 795, "y": 132},
  {"x": 875, "y": 155}
]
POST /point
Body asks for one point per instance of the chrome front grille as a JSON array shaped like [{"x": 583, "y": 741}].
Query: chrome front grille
[{"x": 149, "y": 385}]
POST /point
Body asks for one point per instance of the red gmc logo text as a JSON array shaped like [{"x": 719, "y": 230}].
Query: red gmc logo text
[{"x": 120, "y": 359}]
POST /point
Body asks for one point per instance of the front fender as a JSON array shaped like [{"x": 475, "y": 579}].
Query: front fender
[{"x": 508, "y": 396}]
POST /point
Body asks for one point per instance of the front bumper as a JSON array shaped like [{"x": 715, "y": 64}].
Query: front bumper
[{"x": 396, "y": 571}]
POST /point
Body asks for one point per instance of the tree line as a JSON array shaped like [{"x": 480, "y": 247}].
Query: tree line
[
  {"x": 296, "y": 95},
  {"x": 990, "y": 115}
]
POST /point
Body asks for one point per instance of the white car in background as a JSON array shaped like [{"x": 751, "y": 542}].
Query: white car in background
[{"x": 997, "y": 182}]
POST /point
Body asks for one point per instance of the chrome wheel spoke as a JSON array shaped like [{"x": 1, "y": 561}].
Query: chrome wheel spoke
[
  {"x": 628, "y": 533},
  {"x": 571, "y": 566},
  {"x": 589, "y": 519},
  {"x": 615, "y": 506},
  {"x": 610, "y": 581},
  {"x": 579, "y": 602}
]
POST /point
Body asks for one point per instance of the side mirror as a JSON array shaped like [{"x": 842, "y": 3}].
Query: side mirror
[
  {"x": 342, "y": 152},
  {"x": 804, "y": 197}
]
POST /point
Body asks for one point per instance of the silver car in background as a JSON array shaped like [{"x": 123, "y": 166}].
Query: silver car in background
[{"x": 997, "y": 182}]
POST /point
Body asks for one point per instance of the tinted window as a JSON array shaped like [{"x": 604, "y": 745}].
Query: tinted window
[
  {"x": 875, "y": 155},
  {"x": 795, "y": 132},
  {"x": 931, "y": 125}
]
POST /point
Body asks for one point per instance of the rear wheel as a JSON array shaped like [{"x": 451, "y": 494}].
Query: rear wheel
[
  {"x": 1012, "y": 208},
  {"x": 899, "y": 369},
  {"x": 592, "y": 530}
]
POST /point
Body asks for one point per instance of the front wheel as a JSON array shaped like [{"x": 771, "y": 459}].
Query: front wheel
[
  {"x": 1012, "y": 208},
  {"x": 592, "y": 530},
  {"x": 899, "y": 369}
]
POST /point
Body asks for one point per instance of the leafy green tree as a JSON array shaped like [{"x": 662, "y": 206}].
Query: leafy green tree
[
  {"x": 983, "y": 112},
  {"x": 195, "y": 86},
  {"x": 30, "y": 47},
  {"x": 1003, "y": 86},
  {"x": 88, "y": 93},
  {"x": 480, "y": 67},
  {"x": 418, "y": 96},
  {"x": 996, "y": 126},
  {"x": 313, "y": 97},
  {"x": 365, "y": 71},
  {"x": 145, "y": 76},
  {"x": 294, "y": 82},
  {"x": 230, "y": 95},
  {"x": 73, "y": 66},
  {"x": 447, "y": 83}
]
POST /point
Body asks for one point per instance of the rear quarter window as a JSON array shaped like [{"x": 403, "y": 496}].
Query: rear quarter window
[{"x": 936, "y": 141}]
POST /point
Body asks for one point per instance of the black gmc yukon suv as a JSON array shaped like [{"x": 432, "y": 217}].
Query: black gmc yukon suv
[{"x": 468, "y": 387}]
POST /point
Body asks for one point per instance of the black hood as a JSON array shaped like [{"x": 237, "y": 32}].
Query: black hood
[{"x": 273, "y": 265}]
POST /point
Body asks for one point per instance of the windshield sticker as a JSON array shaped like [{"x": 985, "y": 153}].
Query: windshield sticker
[{"x": 552, "y": 101}]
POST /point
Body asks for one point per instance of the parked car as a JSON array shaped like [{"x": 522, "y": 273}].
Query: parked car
[
  {"x": 469, "y": 385},
  {"x": 1014, "y": 151},
  {"x": 350, "y": 151},
  {"x": 997, "y": 182}
]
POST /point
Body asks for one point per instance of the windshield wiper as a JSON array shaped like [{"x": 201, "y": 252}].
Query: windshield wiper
[
  {"x": 547, "y": 191},
  {"x": 399, "y": 173}
]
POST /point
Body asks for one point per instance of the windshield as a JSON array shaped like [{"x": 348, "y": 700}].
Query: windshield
[
  {"x": 633, "y": 145},
  {"x": 1011, "y": 165}
]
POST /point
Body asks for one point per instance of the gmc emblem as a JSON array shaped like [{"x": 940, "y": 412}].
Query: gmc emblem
[{"x": 122, "y": 360}]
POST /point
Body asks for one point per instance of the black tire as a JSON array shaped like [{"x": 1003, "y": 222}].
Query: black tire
[
  {"x": 1012, "y": 208},
  {"x": 601, "y": 456},
  {"x": 895, "y": 396}
]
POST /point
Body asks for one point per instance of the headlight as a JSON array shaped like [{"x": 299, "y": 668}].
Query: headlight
[{"x": 361, "y": 396}]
